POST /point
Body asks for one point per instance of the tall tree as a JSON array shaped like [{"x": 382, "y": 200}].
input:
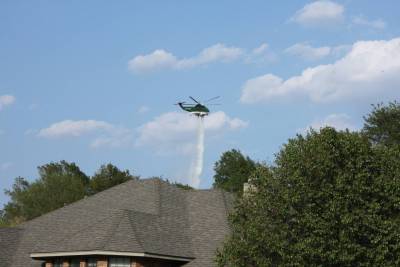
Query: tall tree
[
  {"x": 332, "y": 199},
  {"x": 232, "y": 170},
  {"x": 59, "y": 183},
  {"x": 108, "y": 176},
  {"x": 382, "y": 125},
  {"x": 12, "y": 212}
]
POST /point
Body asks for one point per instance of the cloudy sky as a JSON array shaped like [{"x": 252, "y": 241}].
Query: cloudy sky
[{"x": 94, "y": 82}]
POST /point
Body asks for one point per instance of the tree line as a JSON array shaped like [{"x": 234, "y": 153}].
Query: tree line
[{"x": 59, "y": 184}]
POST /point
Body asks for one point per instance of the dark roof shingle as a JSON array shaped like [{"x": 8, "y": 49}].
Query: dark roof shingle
[
  {"x": 9, "y": 239},
  {"x": 147, "y": 216}
]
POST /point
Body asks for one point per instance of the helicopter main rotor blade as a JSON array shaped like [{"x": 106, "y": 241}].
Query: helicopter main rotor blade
[
  {"x": 194, "y": 100},
  {"x": 213, "y": 98}
]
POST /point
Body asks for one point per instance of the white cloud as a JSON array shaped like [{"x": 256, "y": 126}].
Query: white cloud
[
  {"x": 319, "y": 13},
  {"x": 73, "y": 128},
  {"x": 260, "y": 54},
  {"x": 161, "y": 59},
  {"x": 261, "y": 49},
  {"x": 339, "y": 121},
  {"x": 215, "y": 53},
  {"x": 308, "y": 52},
  {"x": 175, "y": 132},
  {"x": 106, "y": 133},
  {"x": 5, "y": 166},
  {"x": 143, "y": 109},
  {"x": 116, "y": 138},
  {"x": 370, "y": 69},
  {"x": 377, "y": 24},
  {"x": 340, "y": 50},
  {"x": 6, "y": 100},
  {"x": 31, "y": 131}
]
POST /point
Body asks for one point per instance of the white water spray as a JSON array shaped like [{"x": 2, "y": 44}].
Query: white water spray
[{"x": 198, "y": 161}]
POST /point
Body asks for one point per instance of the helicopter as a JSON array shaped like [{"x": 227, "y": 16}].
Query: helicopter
[{"x": 196, "y": 108}]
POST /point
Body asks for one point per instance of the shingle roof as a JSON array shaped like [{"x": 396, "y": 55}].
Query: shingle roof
[
  {"x": 147, "y": 216},
  {"x": 9, "y": 238}
]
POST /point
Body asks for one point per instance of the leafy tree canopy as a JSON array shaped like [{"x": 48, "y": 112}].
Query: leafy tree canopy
[
  {"x": 175, "y": 183},
  {"x": 108, "y": 176},
  {"x": 232, "y": 170},
  {"x": 382, "y": 125},
  {"x": 59, "y": 184},
  {"x": 332, "y": 199},
  {"x": 183, "y": 186}
]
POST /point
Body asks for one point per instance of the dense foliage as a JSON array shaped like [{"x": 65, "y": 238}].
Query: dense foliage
[
  {"x": 382, "y": 125},
  {"x": 232, "y": 170},
  {"x": 183, "y": 186},
  {"x": 177, "y": 184},
  {"x": 59, "y": 184},
  {"x": 108, "y": 176},
  {"x": 332, "y": 199}
]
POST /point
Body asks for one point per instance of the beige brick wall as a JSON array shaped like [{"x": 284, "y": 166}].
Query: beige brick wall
[{"x": 102, "y": 262}]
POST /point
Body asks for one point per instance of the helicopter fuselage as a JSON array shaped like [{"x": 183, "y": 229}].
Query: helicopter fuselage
[{"x": 197, "y": 110}]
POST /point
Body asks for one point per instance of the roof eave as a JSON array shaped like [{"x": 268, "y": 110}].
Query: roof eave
[{"x": 43, "y": 255}]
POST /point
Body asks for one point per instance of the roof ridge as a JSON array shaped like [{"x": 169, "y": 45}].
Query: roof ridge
[
  {"x": 134, "y": 228},
  {"x": 209, "y": 189},
  {"x": 113, "y": 230},
  {"x": 160, "y": 211}
]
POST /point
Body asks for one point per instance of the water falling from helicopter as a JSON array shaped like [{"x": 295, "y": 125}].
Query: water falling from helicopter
[{"x": 200, "y": 111}]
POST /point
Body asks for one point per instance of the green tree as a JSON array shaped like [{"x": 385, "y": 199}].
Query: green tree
[
  {"x": 183, "y": 186},
  {"x": 12, "y": 211},
  {"x": 59, "y": 183},
  {"x": 331, "y": 199},
  {"x": 177, "y": 184},
  {"x": 382, "y": 125},
  {"x": 232, "y": 170},
  {"x": 108, "y": 176}
]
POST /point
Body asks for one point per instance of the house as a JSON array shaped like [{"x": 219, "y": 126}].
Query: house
[{"x": 138, "y": 223}]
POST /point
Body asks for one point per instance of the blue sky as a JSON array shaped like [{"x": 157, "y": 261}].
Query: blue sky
[{"x": 93, "y": 82}]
